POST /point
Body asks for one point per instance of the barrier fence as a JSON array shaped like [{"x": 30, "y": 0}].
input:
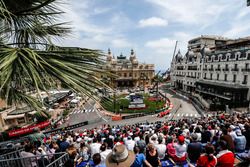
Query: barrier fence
[{"x": 15, "y": 159}]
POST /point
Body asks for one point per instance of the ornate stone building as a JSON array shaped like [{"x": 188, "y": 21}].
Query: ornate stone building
[
  {"x": 215, "y": 71},
  {"x": 130, "y": 72}
]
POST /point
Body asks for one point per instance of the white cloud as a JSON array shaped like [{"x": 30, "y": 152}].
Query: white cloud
[
  {"x": 120, "y": 43},
  {"x": 237, "y": 31},
  {"x": 152, "y": 22},
  {"x": 98, "y": 11},
  {"x": 191, "y": 11},
  {"x": 163, "y": 45}
]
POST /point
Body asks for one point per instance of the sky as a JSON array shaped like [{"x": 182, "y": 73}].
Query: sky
[{"x": 151, "y": 27}]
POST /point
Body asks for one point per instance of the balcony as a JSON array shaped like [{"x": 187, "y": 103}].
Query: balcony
[
  {"x": 235, "y": 69},
  {"x": 245, "y": 70},
  {"x": 211, "y": 69},
  {"x": 205, "y": 69},
  {"x": 244, "y": 82},
  {"x": 218, "y": 69},
  {"x": 226, "y": 69}
]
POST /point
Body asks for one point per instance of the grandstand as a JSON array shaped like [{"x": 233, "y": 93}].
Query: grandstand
[{"x": 180, "y": 142}]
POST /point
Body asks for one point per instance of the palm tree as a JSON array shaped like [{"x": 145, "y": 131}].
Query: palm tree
[{"x": 30, "y": 61}]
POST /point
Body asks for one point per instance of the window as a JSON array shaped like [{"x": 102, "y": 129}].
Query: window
[
  {"x": 130, "y": 74},
  {"x": 125, "y": 74},
  {"x": 234, "y": 79},
  {"x": 225, "y": 77},
  {"x": 218, "y": 77},
  {"x": 20, "y": 120},
  {"x": 235, "y": 66},
  {"x": 245, "y": 79},
  {"x": 211, "y": 76},
  {"x": 205, "y": 76},
  {"x": 246, "y": 66}
]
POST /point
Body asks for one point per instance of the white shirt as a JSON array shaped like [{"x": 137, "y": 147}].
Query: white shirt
[
  {"x": 130, "y": 144},
  {"x": 181, "y": 150},
  {"x": 104, "y": 155},
  {"x": 161, "y": 149},
  {"x": 95, "y": 148}
]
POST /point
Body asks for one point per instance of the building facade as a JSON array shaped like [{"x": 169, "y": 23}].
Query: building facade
[
  {"x": 129, "y": 72},
  {"x": 215, "y": 70}
]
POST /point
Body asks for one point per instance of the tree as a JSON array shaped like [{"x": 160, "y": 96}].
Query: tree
[{"x": 29, "y": 61}]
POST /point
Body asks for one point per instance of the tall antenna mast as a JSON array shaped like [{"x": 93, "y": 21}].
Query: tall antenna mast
[{"x": 174, "y": 50}]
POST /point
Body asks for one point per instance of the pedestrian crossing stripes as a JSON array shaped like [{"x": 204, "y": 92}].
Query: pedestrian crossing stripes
[
  {"x": 184, "y": 115},
  {"x": 82, "y": 111}
]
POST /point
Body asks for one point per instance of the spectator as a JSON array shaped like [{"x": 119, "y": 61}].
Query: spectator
[
  {"x": 161, "y": 148},
  {"x": 130, "y": 144},
  {"x": 225, "y": 157},
  {"x": 208, "y": 159},
  {"x": 28, "y": 152},
  {"x": 141, "y": 144},
  {"x": 120, "y": 157},
  {"x": 240, "y": 142},
  {"x": 37, "y": 138},
  {"x": 198, "y": 133},
  {"x": 104, "y": 152},
  {"x": 64, "y": 145},
  {"x": 171, "y": 148},
  {"x": 181, "y": 151},
  {"x": 72, "y": 155},
  {"x": 140, "y": 159},
  {"x": 228, "y": 139},
  {"x": 83, "y": 152},
  {"x": 95, "y": 147},
  {"x": 246, "y": 133},
  {"x": 194, "y": 149},
  {"x": 206, "y": 135},
  {"x": 97, "y": 161},
  {"x": 152, "y": 156}
]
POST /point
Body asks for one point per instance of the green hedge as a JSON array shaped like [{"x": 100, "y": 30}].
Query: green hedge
[{"x": 123, "y": 104}]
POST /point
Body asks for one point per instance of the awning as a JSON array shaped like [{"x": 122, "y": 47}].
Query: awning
[
  {"x": 219, "y": 84},
  {"x": 14, "y": 116},
  {"x": 214, "y": 94},
  {"x": 32, "y": 112}
]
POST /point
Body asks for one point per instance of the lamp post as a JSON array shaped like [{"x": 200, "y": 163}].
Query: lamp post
[{"x": 114, "y": 100}]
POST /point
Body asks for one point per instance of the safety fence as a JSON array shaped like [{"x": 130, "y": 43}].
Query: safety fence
[{"x": 18, "y": 159}]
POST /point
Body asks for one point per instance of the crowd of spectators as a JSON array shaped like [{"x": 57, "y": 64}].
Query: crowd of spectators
[{"x": 217, "y": 141}]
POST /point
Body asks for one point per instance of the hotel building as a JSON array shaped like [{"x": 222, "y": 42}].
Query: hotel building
[{"x": 215, "y": 71}]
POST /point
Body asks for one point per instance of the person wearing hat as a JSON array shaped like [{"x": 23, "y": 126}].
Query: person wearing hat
[
  {"x": 240, "y": 142},
  {"x": 181, "y": 151},
  {"x": 120, "y": 157},
  {"x": 194, "y": 148}
]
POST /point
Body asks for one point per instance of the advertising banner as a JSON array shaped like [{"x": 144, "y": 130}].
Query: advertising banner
[{"x": 28, "y": 129}]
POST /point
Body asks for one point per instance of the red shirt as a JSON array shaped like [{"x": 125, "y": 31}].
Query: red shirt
[
  {"x": 225, "y": 158},
  {"x": 204, "y": 162}
]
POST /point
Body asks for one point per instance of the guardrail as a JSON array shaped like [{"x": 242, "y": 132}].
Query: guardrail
[{"x": 15, "y": 159}]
